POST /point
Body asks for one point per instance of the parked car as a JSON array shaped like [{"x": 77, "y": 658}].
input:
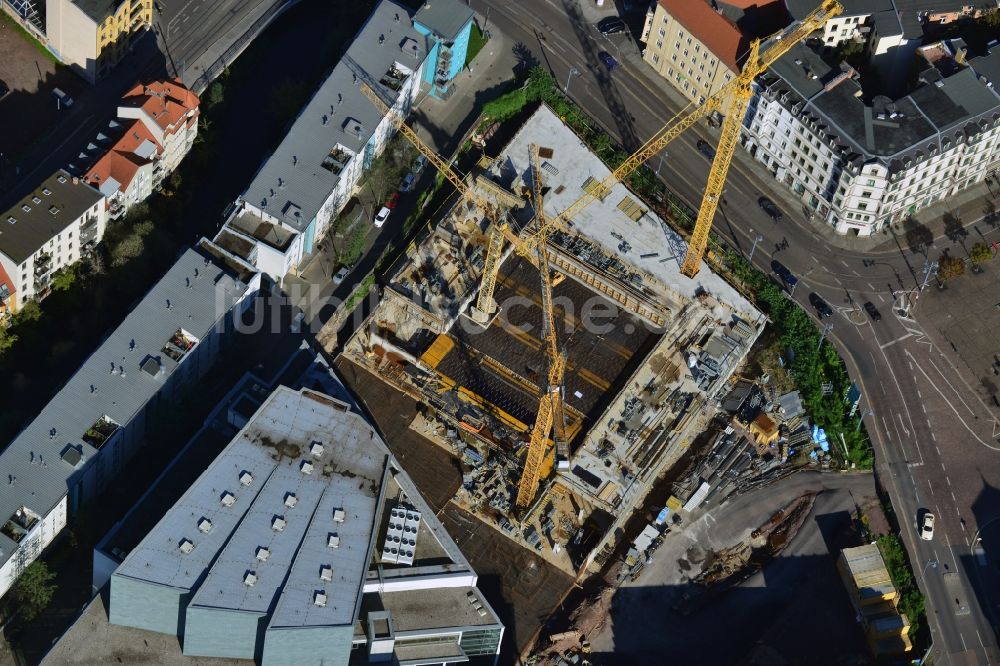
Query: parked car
[
  {"x": 419, "y": 164},
  {"x": 705, "y": 148},
  {"x": 873, "y": 311},
  {"x": 382, "y": 216},
  {"x": 782, "y": 272},
  {"x": 3, "y": 89},
  {"x": 770, "y": 208},
  {"x": 608, "y": 60},
  {"x": 927, "y": 526},
  {"x": 341, "y": 275},
  {"x": 822, "y": 307},
  {"x": 408, "y": 183},
  {"x": 393, "y": 201},
  {"x": 612, "y": 25},
  {"x": 296, "y": 325}
]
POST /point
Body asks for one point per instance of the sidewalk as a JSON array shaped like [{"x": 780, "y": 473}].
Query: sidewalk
[
  {"x": 967, "y": 205},
  {"x": 443, "y": 124}
]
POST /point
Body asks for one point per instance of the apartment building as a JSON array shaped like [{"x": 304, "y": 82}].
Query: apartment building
[
  {"x": 92, "y": 36},
  {"x": 448, "y": 24},
  {"x": 170, "y": 112},
  {"x": 97, "y": 422},
  {"x": 322, "y": 553},
  {"x": 875, "y": 600},
  {"x": 49, "y": 229},
  {"x": 693, "y": 46},
  {"x": 8, "y": 296},
  {"x": 128, "y": 171},
  {"x": 861, "y": 165},
  {"x": 310, "y": 177}
]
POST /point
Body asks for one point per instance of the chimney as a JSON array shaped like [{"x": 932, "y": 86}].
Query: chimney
[{"x": 76, "y": 181}]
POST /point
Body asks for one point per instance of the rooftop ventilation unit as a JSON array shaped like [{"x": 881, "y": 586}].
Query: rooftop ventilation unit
[
  {"x": 278, "y": 523},
  {"x": 401, "y": 536},
  {"x": 227, "y": 499},
  {"x": 338, "y": 515},
  {"x": 250, "y": 578},
  {"x": 306, "y": 467},
  {"x": 333, "y": 541},
  {"x": 263, "y": 553},
  {"x": 291, "y": 500},
  {"x": 186, "y": 546},
  {"x": 319, "y": 598},
  {"x": 316, "y": 449},
  {"x": 205, "y": 525},
  {"x": 326, "y": 572},
  {"x": 246, "y": 478}
]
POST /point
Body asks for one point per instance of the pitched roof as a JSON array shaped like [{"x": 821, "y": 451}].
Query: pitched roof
[
  {"x": 166, "y": 102},
  {"x": 34, "y": 224},
  {"x": 119, "y": 165},
  {"x": 711, "y": 28}
]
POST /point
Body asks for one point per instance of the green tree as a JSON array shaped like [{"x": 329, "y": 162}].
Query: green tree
[
  {"x": 979, "y": 254},
  {"x": 950, "y": 267},
  {"x": 29, "y": 311},
  {"x": 65, "y": 279},
  {"x": 34, "y": 590},
  {"x": 216, "y": 93}
]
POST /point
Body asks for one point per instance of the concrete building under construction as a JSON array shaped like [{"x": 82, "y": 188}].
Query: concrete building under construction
[{"x": 647, "y": 350}]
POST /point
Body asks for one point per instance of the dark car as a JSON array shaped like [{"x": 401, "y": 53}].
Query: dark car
[
  {"x": 706, "y": 149},
  {"x": 608, "y": 60},
  {"x": 782, "y": 272},
  {"x": 612, "y": 25},
  {"x": 821, "y": 306},
  {"x": 770, "y": 208},
  {"x": 3, "y": 89},
  {"x": 873, "y": 311}
]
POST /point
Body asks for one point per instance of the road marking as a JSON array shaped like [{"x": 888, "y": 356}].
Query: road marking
[
  {"x": 838, "y": 282},
  {"x": 880, "y": 299},
  {"x": 815, "y": 260},
  {"x": 846, "y": 265},
  {"x": 902, "y": 425},
  {"x": 934, "y": 437},
  {"x": 938, "y": 450},
  {"x": 918, "y": 394},
  {"x": 899, "y": 339},
  {"x": 870, "y": 286},
  {"x": 948, "y": 479},
  {"x": 964, "y": 646}
]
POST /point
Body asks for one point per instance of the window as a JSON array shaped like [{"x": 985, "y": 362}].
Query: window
[
  {"x": 656, "y": 59},
  {"x": 663, "y": 33},
  {"x": 659, "y": 43},
  {"x": 866, "y": 194},
  {"x": 871, "y": 183}
]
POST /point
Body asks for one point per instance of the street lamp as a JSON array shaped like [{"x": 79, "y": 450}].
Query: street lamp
[
  {"x": 756, "y": 239},
  {"x": 826, "y": 329},
  {"x": 573, "y": 71},
  {"x": 932, "y": 563},
  {"x": 659, "y": 164},
  {"x": 864, "y": 413},
  {"x": 929, "y": 267}
]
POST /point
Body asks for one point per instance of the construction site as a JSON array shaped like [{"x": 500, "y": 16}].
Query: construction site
[{"x": 565, "y": 387}]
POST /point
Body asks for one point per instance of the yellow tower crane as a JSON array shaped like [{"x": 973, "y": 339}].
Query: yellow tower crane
[
  {"x": 550, "y": 414},
  {"x": 732, "y": 100}
]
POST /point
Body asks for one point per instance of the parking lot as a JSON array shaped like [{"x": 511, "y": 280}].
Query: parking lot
[{"x": 29, "y": 107}]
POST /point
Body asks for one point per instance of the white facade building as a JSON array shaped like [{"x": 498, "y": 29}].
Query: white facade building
[
  {"x": 861, "y": 166},
  {"x": 311, "y": 176},
  {"x": 47, "y": 230}
]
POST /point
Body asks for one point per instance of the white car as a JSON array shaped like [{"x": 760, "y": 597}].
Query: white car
[
  {"x": 927, "y": 527},
  {"x": 382, "y": 216},
  {"x": 341, "y": 275}
]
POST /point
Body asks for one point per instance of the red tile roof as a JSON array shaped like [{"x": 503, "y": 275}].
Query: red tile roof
[
  {"x": 166, "y": 102},
  {"x": 121, "y": 162},
  {"x": 711, "y": 28},
  {"x": 5, "y": 280}
]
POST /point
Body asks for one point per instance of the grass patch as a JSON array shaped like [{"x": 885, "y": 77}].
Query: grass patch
[
  {"x": 477, "y": 40},
  {"x": 17, "y": 27}
]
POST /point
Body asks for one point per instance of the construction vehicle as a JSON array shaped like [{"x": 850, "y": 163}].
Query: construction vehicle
[{"x": 731, "y": 100}]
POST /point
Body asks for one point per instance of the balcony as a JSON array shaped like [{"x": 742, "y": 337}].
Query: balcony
[
  {"x": 98, "y": 434},
  {"x": 20, "y": 524},
  {"x": 43, "y": 264},
  {"x": 336, "y": 160},
  {"x": 179, "y": 344},
  {"x": 394, "y": 78}
]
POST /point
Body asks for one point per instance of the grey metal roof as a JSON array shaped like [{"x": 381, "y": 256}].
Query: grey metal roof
[
  {"x": 988, "y": 66},
  {"x": 423, "y": 610},
  {"x": 445, "y": 18},
  {"x": 353, "y": 473},
  {"x": 958, "y": 99},
  {"x": 98, "y": 10},
  {"x": 35, "y": 475},
  {"x": 34, "y": 227},
  {"x": 293, "y": 178},
  {"x": 805, "y": 71}
]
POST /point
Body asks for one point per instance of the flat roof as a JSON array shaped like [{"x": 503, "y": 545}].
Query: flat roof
[
  {"x": 648, "y": 244},
  {"x": 193, "y": 296},
  {"x": 440, "y": 608},
  {"x": 262, "y": 230},
  {"x": 445, "y": 18},
  {"x": 293, "y": 180},
  {"x": 36, "y": 223}
]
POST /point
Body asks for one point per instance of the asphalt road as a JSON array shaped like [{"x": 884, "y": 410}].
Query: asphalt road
[
  {"x": 766, "y": 609},
  {"x": 935, "y": 440}
]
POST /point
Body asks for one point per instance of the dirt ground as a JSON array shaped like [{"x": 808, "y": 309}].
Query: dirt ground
[
  {"x": 520, "y": 585},
  {"x": 29, "y": 108}
]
